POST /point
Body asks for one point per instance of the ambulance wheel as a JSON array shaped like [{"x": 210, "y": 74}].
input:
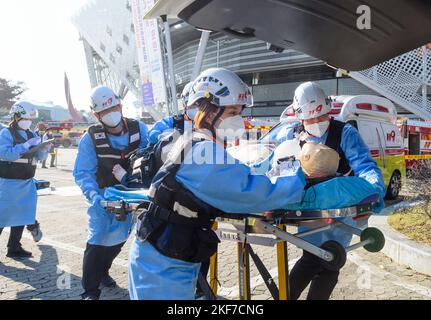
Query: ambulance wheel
[
  {"x": 378, "y": 239},
  {"x": 394, "y": 186},
  {"x": 339, "y": 253}
]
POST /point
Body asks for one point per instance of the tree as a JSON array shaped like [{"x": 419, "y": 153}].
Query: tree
[{"x": 9, "y": 94}]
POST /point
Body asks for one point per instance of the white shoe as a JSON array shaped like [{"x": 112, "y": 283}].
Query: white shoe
[{"x": 36, "y": 234}]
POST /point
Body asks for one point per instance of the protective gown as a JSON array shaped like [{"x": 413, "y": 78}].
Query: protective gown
[
  {"x": 18, "y": 198},
  {"x": 103, "y": 228},
  {"x": 223, "y": 182},
  {"x": 161, "y": 127}
]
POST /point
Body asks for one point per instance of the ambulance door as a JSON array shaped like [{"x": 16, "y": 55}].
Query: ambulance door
[
  {"x": 372, "y": 134},
  {"x": 395, "y": 165},
  {"x": 414, "y": 143},
  {"x": 392, "y": 138}
]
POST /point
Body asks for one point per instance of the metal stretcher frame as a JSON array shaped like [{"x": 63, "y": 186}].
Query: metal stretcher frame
[
  {"x": 332, "y": 253},
  {"x": 371, "y": 239}
]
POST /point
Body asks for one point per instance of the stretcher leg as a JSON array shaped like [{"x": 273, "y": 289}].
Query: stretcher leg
[
  {"x": 205, "y": 287},
  {"x": 214, "y": 268},
  {"x": 300, "y": 243},
  {"x": 313, "y": 231},
  {"x": 244, "y": 271},
  {"x": 266, "y": 276},
  {"x": 283, "y": 268}
]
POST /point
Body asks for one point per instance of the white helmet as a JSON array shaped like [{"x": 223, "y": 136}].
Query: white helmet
[
  {"x": 186, "y": 93},
  {"x": 221, "y": 87},
  {"x": 25, "y": 110},
  {"x": 310, "y": 101},
  {"x": 103, "y": 98}
]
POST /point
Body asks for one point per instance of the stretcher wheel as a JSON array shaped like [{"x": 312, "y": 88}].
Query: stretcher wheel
[
  {"x": 378, "y": 239},
  {"x": 339, "y": 254}
]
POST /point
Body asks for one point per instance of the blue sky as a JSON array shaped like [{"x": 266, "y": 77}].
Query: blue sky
[{"x": 39, "y": 43}]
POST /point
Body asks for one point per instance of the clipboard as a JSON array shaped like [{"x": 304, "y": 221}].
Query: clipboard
[{"x": 37, "y": 148}]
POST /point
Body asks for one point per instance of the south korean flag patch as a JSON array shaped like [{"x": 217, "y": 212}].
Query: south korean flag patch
[{"x": 100, "y": 136}]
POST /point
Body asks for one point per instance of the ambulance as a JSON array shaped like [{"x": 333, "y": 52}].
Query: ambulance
[
  {"x": 416, "y": 137},
  {"x": 376, "y": 120},
  {"x": 259, "y": 127}
]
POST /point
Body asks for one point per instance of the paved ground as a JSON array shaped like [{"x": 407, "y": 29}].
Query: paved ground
[{"x": 55, "y": 270}]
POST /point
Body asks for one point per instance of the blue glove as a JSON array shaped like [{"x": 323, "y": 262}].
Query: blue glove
[{"x": 32, "y": 142}]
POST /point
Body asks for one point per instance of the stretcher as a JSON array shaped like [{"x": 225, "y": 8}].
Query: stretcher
[
  {"x": 270, "y": 230},
  {"x": 247, "y": 232}
]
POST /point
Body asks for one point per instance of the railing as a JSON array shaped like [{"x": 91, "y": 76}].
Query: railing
[{"x": 404, "y": 80}]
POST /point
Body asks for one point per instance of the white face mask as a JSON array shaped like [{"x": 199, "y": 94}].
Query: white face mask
[
  {"x": 231, "y": 128},
  {"x": 317, "y": 129},
  {"x": 112, "y": 119},
  {"x": 191, "y": 113},
  {"x": 25, "y": 124}
]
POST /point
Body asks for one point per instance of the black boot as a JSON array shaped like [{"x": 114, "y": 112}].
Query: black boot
[
  {"x": 15, "y": 249},
  {"x": 108, "y": 282},
  {"x": 89, "y": 297},
  {"x": 18, "y": 253}
]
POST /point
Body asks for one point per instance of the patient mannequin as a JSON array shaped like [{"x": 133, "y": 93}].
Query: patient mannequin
[{"x": 318, "y": 161}]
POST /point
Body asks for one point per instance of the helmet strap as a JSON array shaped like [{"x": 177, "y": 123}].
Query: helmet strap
[{"x": 216, "y": 118}]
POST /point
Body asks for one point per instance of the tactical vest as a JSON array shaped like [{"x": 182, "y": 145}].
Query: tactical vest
[
  {"x": 177, "y": 223},
  {"x": 23, "y": 168},
  {"x": 335, "y": 133},
  {"x": 144, "y": 164},
  {"x": 108, "y": 157}
]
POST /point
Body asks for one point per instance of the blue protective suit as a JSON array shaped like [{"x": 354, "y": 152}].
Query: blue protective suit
[
  {"x": 162, "y": 126},
  {"x": 20, "y": 208},
  {"x": 227, "y": 185},
  {"x": 103, "y": 228},
  {"x": 342, "y": 192},
  {"x": 363, "y": 165}
]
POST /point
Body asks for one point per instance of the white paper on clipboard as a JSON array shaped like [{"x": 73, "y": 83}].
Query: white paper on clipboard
[{"x": 37, "y": 148}]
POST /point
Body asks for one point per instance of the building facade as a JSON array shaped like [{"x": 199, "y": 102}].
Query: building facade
[{"x": 107, "y": 32}]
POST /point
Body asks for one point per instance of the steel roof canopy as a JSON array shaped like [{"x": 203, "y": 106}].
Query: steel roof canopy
[{"x": 324, "y": 29}]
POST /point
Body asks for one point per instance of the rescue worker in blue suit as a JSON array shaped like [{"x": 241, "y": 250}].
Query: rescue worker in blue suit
[
  {"x": 311, "y": 107},
  {"x": 174, "y": 235},
  {"x": 180, "y": 122},
  {"x": 104, "y": 146},
  {"x": 17, "y": 171}
]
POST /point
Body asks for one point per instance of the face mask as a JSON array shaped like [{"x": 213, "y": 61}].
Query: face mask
[
  {"x": 112, "y": 119},
  {"x": 231, "y": 128},
  {"x": 25, "y": 124},
  {"x": 191, "y": 113},
  {"x": 317, "y": 129}
]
